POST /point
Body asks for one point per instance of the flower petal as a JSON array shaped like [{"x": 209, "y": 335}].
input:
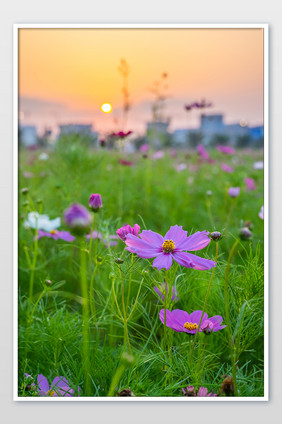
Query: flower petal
[
  {"x": 154, "y": 239},
  {"x": 181, "y": 316},
  {"x": 196, "y": 316},
  {"x": 134, "y": 242},
  {"x": 42, "y": 384},
  {"x": 144, "y": 253},
  {"x": 61, "y": 387},
  {"x": 163, "y": 260},
  {"x": 176, "y": 233},
  {"x": 200, "y": 263},
  {"x": 65, "y": 235},
  {"x": 171, "y": 321},
  {"x": 183, "y": 259},
  {"x": 196, "y": 241}
]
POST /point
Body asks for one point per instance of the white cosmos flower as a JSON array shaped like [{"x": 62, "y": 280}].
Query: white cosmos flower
[
  {"x": 43, "y": 156},
  {"x": 42, "y": 222},
  {"x": 258, "y": 165}
]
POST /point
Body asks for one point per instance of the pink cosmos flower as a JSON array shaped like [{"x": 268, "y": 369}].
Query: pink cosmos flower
[
  {"x": 144, "y": 148},
  {"x": 250, "y": 183},
  {"x": 227, "y": 168},
  {"x": 172, "y": 246},
  {"x": 261, "y": 213},
  {"x": 202, "y": 392},
  {"x": 202, "y": 152},
  {"x": 127, "y": 229},
  {"x": 158, "y": 155},
  {"x": 234, "y": 191},
  {"x": 227, "y": 150},
  {"x": 59, "y": 387},
  {"x": 55, "y": 234},
  {"x": 181, "y": 322}
]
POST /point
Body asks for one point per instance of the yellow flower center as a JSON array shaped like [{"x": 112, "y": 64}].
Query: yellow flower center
[
  {"x": 51, "y": 392},
  {"x": 190, "y": 326},
  {"x": 168, "y": 246},
  {"x": 53, "y": 231}
]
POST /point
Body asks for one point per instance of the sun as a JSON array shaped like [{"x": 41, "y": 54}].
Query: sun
[{"x": 106, "y": 107}]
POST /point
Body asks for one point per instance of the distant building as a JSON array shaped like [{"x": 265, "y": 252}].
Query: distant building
[
  {"x": 28, "y": 135},
  {"x": 157, "y": 133},
  {"x": 84, "y": 130},
  {"x": 213, "y": 127}
]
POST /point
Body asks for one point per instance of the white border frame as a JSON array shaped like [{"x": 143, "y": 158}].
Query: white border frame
[{"x": 16, "y": 27}]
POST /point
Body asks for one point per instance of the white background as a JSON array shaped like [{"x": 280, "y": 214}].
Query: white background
[{"x": 146, "y": 11}]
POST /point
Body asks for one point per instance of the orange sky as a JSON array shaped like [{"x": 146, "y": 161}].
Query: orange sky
[{"x": 77, "y": 68}]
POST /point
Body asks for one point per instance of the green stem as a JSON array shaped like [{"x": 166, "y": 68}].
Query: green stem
[
  {"x": 85, "y": 318},
  {"x": 227, "y": 316},
  {"x": 116, "y": 379},
  {"x": 36, "y": 303},
  {"x": 129, "y": 282},
  {"x": 205, "y": 303},
  {"x": 92, "y": 299},
  {"x": 33, "y": 266},
  {"x": 125, "y": 336},
  {"x": 91, "y": 236}
]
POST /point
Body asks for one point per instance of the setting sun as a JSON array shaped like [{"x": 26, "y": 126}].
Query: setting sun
[{"x": 106, "y": 107}]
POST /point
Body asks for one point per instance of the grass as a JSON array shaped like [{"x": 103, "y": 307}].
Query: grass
[{"x": 154, "y": 195}]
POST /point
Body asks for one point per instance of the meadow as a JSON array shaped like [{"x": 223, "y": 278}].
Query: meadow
[{"x": 95, "y": 319}]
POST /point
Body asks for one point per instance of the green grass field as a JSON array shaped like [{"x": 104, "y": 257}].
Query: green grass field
[{"x": 109, "y": 337}]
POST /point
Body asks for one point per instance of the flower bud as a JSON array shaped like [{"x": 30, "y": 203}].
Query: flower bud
[
  {"x": 127, "y": 229},
  {"x": 216, "y": 235},
  {"x": 119, "y": 261},
  {"x": 248, "y": 224},
  {"x": 126, "y": 393},
  {"x": 25, "y": 191},
  {"x": 95, "y": 202},
  {"x": 245, "y": 233},
  {"x": 78, "y": 219},
  {"x": 48, "y": 282}
]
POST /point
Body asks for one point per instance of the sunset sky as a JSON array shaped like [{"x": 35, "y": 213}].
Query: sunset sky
[{"x": 66, "y": 74}]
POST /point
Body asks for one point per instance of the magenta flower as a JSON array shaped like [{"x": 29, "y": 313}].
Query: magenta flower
[
  {"x": 261, "y": 213},
  {"x": 234, "y": 191},
  {"x": 250, "y": 183},
  {"x": 55, "y": 234},
  {"x": 202, "y": 392},
  {"x": 171, "y": 246},
  {"x": 120, "y": 134},
  {"x": 182, "y": 322},
  {"x": 227, "y": 168},
  {"x": 144, "y": 148},
  {"x": 78, "y": 219},
  {"x": 160, "y": 292},
  {"x": 125, "y": 162},
  {"x": 127, "y": 229},
  {"x": 59, "y": 387},
  {"x": 95, "y": 202},
  {"x": 202, "y": 152},
  {"x": 227, "y": 150}
]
